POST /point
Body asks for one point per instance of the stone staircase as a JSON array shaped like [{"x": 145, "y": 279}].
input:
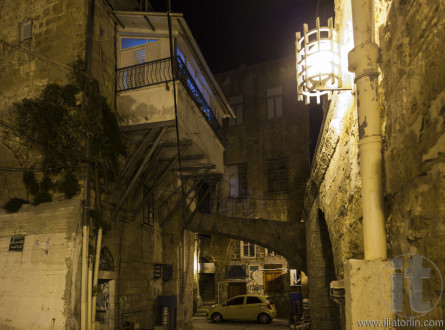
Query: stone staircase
[{"x": 202, "y": 311}]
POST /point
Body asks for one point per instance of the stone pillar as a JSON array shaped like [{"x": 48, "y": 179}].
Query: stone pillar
[{"x": 368, "y": 284}]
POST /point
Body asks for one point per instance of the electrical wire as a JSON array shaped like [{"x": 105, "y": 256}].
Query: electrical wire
[
  {"x": 8, "y": 128},
  {"x": 40, "y": 57}
]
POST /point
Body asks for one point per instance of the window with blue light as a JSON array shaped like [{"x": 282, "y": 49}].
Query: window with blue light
[{"x": 130, "y": 42}]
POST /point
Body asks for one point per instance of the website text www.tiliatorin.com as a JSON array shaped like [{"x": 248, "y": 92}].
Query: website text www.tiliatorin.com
[{"x": 399, "y": 323}]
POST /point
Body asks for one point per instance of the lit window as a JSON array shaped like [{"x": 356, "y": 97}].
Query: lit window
[
  {"x": 236, "y": 103},
  {"x": 238, "y": 180},
  {"x": 26, "y": 30},
  {"x": 247, "y": 249},
  {"x": 277, "y": 175},
  {"x": 274, "y": 102}
]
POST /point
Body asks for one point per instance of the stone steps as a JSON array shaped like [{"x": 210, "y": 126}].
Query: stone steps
[{"x": 202, "y": 311}]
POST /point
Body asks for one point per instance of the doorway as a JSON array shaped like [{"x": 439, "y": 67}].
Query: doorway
[
  {"x": 207, "y": 288},
  {"x": 236, "y": 288}
]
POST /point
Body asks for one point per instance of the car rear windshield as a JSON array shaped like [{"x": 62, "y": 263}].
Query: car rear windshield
[{"x": 270, "y": 301}]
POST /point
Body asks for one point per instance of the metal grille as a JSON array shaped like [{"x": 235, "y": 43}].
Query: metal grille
[
  {"x": 158, "y": 72},
  {"x": 236, "y": 272}
]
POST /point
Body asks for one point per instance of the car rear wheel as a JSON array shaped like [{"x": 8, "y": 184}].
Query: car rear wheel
[
  {"x": 217, "y": 318},
  {"x": 264, "y": 318}
]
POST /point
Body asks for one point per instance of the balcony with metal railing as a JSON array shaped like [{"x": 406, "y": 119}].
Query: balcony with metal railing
[{"x": 160, "y": 72}]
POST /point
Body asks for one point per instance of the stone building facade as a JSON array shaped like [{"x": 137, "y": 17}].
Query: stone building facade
[
  {"x": 266, "y": 166},
  {"x": 148, "y": 252},
  {"x": 411, "y": 90}
]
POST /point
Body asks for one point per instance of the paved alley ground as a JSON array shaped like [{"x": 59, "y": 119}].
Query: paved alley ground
[{"x": 203, "y": 323}]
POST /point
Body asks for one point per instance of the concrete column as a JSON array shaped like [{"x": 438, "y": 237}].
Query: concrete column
[{"x": 367, "y": 287}]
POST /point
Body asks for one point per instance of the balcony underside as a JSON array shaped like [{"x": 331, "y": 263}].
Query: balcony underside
[{"x": 156, "y": 154}]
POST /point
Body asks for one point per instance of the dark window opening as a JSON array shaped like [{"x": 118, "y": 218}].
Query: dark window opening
[{"x": 278, "y": 175}]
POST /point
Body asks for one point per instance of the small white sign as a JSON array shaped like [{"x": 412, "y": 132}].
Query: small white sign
[{"x": 294, "y": 277}]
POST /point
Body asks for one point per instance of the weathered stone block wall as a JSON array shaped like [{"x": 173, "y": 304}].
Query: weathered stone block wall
[
  {"x": 412, "y": 94},
  {"x": 103, "y": 59},
  {"x": 40, "y": 285},
  {"x": 412, "y": 98},
  {"x": 334, "y": 184},
  {"x": 58, "y": 33},
  {"x": 259, "y": 139}
]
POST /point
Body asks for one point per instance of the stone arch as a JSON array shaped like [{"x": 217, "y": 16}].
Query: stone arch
[
  {"x": 286, "y": 238},
  {"x": 106, "y": 260},
  {"x": 325, "y": 313}
]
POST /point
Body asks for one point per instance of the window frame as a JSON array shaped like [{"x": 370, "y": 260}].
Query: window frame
[
  {"x": 259, "y": 301},
  {"x": 241, "y": 190},
  {"x": 236, "y": 102},
  {"x": 236, "y": 298},
  {"x": 250, "y": 247},
  {"x": 148, "y": 213},
  {"x": 274, "y": 169},
  {"x": 274, "y": 94},
  {"x": 26, "y": 30}
]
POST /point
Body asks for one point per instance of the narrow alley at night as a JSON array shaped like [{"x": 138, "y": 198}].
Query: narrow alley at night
[{"x": 221, "y": 164}]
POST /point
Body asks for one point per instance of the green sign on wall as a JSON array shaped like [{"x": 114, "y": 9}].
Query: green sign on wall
[{"x": 17, "y": 243}]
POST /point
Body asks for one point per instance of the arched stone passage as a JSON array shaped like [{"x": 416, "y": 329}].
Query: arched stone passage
[
  {"x": 325, "y": 313},
  {"x": 288, "y": 239}
]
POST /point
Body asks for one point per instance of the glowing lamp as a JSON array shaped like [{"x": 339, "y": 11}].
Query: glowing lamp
[{"x": 318, "y": 61}]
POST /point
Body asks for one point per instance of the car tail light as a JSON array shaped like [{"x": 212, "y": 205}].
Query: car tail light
[{"x": 268, "y": 306}]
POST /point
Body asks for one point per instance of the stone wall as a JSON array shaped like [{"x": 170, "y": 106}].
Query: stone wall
[
  {"x": 259, "y": 139},
  {"x": 412, "y": 95},
  {"x": 39, "y": 285},
  {"x": 412, "y": 98},
  {"x": 58, "y": 33}
]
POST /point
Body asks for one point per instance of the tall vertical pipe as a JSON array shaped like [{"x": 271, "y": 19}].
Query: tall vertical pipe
[
  {"x": 84, "y": 278},
  {"x": 363, "y": 61},
  {"x": 96, "y": 274},
  {"x": 90, "y": 292}
]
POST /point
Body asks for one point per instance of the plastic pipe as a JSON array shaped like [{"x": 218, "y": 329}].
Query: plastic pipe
[
  {"x": 363, "y": 61},
  {"x": 84, "y": 277},
  {"x": 96, "y": 274},
  {"x": 90, "y": 292}
]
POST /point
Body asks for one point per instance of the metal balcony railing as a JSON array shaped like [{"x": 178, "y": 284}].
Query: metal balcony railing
[{"x": 159, "y": 72}]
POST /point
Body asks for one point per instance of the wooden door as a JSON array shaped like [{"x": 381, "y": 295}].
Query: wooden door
[
  {"x": 273, "y": 281},
  {"x": 235, "y": 289}
]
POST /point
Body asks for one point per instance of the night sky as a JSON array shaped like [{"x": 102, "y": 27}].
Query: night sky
[{"x": 235, "y": 32}]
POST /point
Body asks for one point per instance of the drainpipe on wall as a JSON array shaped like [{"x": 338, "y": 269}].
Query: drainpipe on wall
[
  {"x": 363, "y": 61},
  {"x": 84, "y": 310}
]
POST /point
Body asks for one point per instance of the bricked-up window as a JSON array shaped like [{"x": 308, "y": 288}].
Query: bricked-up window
[
  {"x": 248, "y": 249},
  {"x": 148, "y": 207},
  {"x": 274, "y": 102},
  {"x": 26, "y": 30},
  {"x": 236, "y": 272},
  {"x": 278, "y": 175},
  {"x": 236, "y": 103},
  {"x": 238, "y": 180}
]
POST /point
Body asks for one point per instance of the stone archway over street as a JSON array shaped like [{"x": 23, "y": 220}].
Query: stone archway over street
[{"x": 287, "y": 238}]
